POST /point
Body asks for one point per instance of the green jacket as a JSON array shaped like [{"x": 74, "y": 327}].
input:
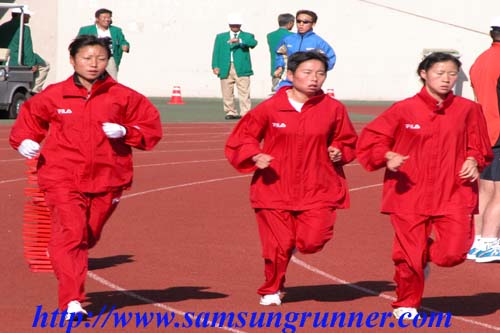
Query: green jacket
[
  {"x": 273, "y": 40},
  {"x": 116, "y": 35},
  {"x": 9, "y": 38},
  {"x": 221, "y": 57}
]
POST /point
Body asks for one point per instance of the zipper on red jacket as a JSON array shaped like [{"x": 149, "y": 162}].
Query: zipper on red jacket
[{"x": 91, "y": 137}]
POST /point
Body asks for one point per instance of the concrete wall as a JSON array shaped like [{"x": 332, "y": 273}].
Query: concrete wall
[{"x": 378, "y": 43}]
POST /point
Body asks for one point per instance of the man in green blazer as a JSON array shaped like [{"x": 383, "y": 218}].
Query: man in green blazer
[
  {"x": 10, "y": 38},
  {"x": 232, "y": 64},
  {"x": 103, "y": 29},
  {"x": 285, "y": 22}
]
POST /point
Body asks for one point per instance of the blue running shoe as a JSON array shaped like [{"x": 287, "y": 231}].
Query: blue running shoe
[
  {"x": 472, "y": 253},
  {"x": 490, "y": 254}
]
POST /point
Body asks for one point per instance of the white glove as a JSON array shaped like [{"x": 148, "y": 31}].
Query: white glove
[
  {"x": 28, "y": 148},
  {"x": 114, "y": 131}
]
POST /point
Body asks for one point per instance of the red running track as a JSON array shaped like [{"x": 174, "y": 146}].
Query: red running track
[{"x": 184, "y": 239}]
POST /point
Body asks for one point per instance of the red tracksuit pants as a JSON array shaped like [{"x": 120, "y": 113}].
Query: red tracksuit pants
[
  {"x": 281, "y": 231},
  {"x": 77, "y": 222},
  {"x": 413, "y": 248}
]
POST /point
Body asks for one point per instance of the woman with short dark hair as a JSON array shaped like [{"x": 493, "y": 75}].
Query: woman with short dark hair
[
  {"x": 433, "y": 146},
  {"x": 298, "y": 182},
  {"x": 89, "y": 123}
]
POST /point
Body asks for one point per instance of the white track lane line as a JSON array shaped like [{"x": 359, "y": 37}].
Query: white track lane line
[
  {"x": 172, "y": 163},
  {"x": 13, "y": 160},
  {"x": 176, "y": 151},
  {"x": 166, "y": 141},
  {"x": 223, "y": 159},
  {"x": 197, "y": 134},
  {"x": 162, "y": 306},
  {"x": 13, "y": 180},
  {"x": 294, "y": 260},
  {"x": 176, "y": 163},
  {"x": 201, "y": 182},
  {"x": 318, "y": 271}
]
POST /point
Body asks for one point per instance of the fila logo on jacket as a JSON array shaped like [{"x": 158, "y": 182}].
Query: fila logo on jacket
[
  {"x": 279, "y": 125},
  {"x": 64, "y": 111},
  {"x": 412, "y": 126}
]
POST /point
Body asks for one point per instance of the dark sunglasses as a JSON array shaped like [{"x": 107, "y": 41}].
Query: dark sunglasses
[{"x": 302, "y": 21}]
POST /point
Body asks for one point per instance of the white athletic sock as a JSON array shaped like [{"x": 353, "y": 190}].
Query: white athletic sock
[
  {"x": 477, "y": 240},
  {"x": 487, "y": 242}
]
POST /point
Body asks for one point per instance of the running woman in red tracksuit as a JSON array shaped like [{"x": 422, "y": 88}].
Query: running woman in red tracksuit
[
  {"x": 298, "y": 182},
  {"x": 432, "y": 146},
  {"x": 90, "y": 124}
]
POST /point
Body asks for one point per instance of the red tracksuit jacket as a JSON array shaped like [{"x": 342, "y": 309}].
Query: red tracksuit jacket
[
  {"x": 76, "y": 153},
  {"x": 301, "y": 176},
  {"x": 438, "y": 139}
]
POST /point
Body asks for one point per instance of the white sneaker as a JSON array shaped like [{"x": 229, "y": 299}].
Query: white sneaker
[
  {"x": 272, "y": 299},
  {"x": 406, "y": 313},
  {"x": 471, "y": 255},
  {"x": 490, "y": 253},
  {"x": 75, "y": 307}
]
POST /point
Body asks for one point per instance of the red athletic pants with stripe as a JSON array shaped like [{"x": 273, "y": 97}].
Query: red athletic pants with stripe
[
  {"x": 77, "y": 222},
  {"x": 413, "y": 248},
  {"x": 282, "y": 231}
]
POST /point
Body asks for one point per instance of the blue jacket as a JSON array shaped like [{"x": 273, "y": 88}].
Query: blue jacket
[{"x": 304, "y": 42}]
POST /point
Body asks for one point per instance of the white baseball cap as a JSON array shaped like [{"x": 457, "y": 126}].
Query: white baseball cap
[
  {"x": 235, "y": 19},
  {"x": 25, "y": 10},
  {"x": 495, "y": 22}
]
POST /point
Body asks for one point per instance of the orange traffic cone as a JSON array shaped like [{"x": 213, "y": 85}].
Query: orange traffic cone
[
  {"x": 330, "y": 93},
  {"x": 176, "y": 96}
]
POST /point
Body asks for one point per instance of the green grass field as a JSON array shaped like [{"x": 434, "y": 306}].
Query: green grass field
[{"x": 210, "y": 110}]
